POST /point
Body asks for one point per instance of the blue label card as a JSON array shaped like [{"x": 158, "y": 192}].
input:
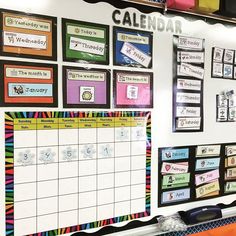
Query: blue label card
[
  {"x": 176, "y": 195},
  {"x": 132, "y": 47},
  {"x": 208, "y": 164},
  {"x": 29, "y": 90},
  {"x": 175, "y": 154}
]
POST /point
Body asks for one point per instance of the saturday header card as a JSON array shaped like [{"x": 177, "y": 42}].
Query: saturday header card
[{"x": 28, "y": 35}]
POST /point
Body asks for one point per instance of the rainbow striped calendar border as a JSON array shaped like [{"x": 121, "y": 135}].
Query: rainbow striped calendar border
[{"x": 9, "y": 167}]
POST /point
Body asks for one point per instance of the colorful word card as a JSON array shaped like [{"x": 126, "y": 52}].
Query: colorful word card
[
  {"x": 207, "y": 171},
  {"x": 189, "y": 58},
  {"x": 223, "y": 63},
  {"x": 132, "y": 47},
  {"x": 133, "y": 89},
  {"x": 71, "y": 171},
  {"x": 28, "y": 84},
  {"x": 28, "y": 35},
  {"x": 85, "y": 42},
  {"x": 226, "y": 108},
  {"x": 230, "y": 169},
  {"x": 195, "y": 173},
  {"x": 174, "y": 175},
  {"x": 86, "y": 88}
]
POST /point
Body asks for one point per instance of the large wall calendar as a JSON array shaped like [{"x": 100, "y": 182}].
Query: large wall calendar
[{"x": 68, "y": 171}]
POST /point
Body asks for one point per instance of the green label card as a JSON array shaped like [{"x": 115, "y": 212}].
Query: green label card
[
  {"x": 86, "y": 42},
  {"x": 176, "y": 179}
]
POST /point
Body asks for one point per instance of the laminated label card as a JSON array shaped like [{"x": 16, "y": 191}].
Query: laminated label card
[
  {"x": 188, "y": 79},
  {"x": 133, "y": 89},
  {"x": 28, "y": 35},
  {"x": 223, "y": 63},
  {"x": 85, "y": 42},
  {"x": 132, "y": 48},
  {"x": 28, "y": 84},
  {"x": 86, "y": 88}
]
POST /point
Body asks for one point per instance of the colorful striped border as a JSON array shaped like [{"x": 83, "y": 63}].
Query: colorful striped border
[{"x": 9, "y": 167}]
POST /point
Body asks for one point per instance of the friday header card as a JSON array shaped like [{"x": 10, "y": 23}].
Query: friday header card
[
  {"x": 86, "y": 42},
  {"x": 86, "y": 88},
  {"x": 132, "y": 47},
  {"x": 28, "y": 84},
  {"x": 28, "y": 35}
]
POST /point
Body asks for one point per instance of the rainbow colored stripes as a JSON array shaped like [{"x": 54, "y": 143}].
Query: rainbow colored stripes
[{"x": 9, "y": 167}]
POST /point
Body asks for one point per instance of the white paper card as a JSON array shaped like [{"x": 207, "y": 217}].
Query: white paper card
[
  {"x": 190, "y": 57},
  {"x": 190, "y": 43},
  {"x": 188, "y": 123},
  {"x": 135, "y": 54},
  {"x": 87, "y": 46},
  {"x": 194, "y": 98},
  {"x": 229, "y": 56},
  {"x": 193, "y": 71},
  {"x": 217, "y": 69},
  {"x": 189, "y": 84},
  {"x": 24, "y": 40},
  {"x": 188, "y": 111},
  {"x": 86, "y": 94},
  {"x": 132, "y": 92},
  {"x": 218, "y": 54}
]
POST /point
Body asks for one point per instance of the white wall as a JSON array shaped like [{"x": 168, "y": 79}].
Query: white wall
[{"x": 215, "y": 35}]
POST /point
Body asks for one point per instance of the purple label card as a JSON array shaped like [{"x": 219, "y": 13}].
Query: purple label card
[{"x": 85, "y": 88}]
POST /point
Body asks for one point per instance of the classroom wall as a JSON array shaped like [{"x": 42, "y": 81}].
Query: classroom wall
[{"x": 162, "y": 135}]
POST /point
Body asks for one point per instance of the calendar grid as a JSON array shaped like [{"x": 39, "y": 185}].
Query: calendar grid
[{"x": 57, "y": 205}]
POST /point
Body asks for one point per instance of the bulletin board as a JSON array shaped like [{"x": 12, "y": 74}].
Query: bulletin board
[{"x": 133, "y": 58}]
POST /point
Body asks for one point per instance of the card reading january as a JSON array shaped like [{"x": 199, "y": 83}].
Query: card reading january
[{"x": 28, "y": 84}]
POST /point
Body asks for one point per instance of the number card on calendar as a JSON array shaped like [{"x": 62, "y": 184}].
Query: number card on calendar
[
  {"x": 132, "y": 89},
  {"x": 69, "y": 171},
  {"x": 132, "y": 48},
  {"x": 86, "y": 88},
  {"x": 85, "y": 42},
  {"x": 28, "y": 35},
  {"x": 28, "y": 84}
]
